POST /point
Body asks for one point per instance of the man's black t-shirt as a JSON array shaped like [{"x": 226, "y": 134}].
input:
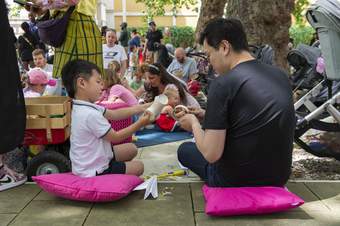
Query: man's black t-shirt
[
  {"x": 152, "y": 37},
  {"x": 253, "y": 103}
]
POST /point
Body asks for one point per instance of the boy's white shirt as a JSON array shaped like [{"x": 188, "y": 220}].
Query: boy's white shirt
[{"x": 89, "y": 152}]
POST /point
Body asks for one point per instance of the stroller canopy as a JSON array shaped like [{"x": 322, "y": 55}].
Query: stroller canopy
[{"x": 302, "y": 55}]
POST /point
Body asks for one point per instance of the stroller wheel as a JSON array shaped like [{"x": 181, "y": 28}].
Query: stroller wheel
[{"x": 48, "y": 162}]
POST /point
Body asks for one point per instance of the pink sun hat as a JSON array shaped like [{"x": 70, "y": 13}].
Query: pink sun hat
[{"x": 37, "y": 76}]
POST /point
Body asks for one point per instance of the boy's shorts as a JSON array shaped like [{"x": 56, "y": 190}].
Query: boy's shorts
[{"x": 114, "y": 168}]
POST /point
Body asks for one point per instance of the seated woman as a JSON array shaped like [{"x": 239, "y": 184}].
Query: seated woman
[
  {"x": 114, "y": 91},
  {"x": 158, "y": 80}
]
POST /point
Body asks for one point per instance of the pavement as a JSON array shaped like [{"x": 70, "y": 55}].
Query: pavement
[{"x": 180, "y": 202}]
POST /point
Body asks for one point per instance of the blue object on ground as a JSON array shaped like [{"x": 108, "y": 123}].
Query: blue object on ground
[{"x": 149, "y": 137}]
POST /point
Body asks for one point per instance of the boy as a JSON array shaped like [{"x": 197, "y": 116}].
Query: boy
[
  {"x": 91, "y": 151},
  {"x": 40, "y": 61}
]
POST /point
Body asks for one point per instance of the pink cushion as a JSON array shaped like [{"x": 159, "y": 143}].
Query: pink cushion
[
  {"x": 93, "y": 189},
  {"x": 248, "y": 200}
]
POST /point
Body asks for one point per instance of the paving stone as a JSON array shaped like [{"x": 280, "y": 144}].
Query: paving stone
[
  {"x": 173, "y": 207},
  {"x": 6, "y": 218},
  {"x": 163, "y": 158},
  {"x": 15, "y": 199},
  {"x": 329, "y": 193},
  {"x": 202, "y": 219},
  {"x": 197, "y": 196},
  {"x": 54, "y": 213},
  {"x": 312, "y": 202}
]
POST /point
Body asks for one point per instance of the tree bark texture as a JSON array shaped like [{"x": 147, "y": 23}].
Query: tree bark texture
[
  {"x": 210, "y": 9},
  {"x": 265, "y": 22}
]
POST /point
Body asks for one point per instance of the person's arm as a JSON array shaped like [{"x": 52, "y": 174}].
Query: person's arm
[
  {"x": 146, "y": 43},
  {"x": 117, "y": 136},
  {"x": 193, "y": 71},
  {"x": 123, "y": 68},
  {"x": 209, "y": 142},
  {"x": 123, "y": 113},
  {"x": 123, "y": 62}
]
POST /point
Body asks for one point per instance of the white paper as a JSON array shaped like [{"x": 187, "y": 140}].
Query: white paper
[{"x": 150, "y": 186}]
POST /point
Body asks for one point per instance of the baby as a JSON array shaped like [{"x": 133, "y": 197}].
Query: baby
[{"x": 166, "y": 121}]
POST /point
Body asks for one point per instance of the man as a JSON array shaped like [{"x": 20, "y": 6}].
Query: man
[
  {"x": 182, "y": 66},
  {"x": 135, "y": 39},
  {"x": 124, "y": 36},
  {"x": 250, "y": 119},
  {"x": 113, "y": 51},
  {"x": 153, "y": 39},
  {"x": 40, "y": 61},
  {"x": 12, "y": 115}
]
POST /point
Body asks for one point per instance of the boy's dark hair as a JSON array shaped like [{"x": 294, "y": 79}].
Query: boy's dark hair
[
  {"x": 75, "y": 69},
  {"x": 225, "y": 29}
]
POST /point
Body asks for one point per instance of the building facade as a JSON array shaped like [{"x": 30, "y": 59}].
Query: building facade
[{"x": 113, "y": 12}]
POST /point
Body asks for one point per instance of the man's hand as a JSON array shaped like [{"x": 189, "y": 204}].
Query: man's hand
[
  {"x": 198, "y": 112},
  {"x": 187, "y": 121}
]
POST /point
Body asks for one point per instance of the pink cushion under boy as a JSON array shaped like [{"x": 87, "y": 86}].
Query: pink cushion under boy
[
  {"x": 103, "y": 188},
  {"x": 248, "y": 200}
]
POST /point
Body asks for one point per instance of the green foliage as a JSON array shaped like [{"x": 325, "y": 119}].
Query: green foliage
[
  {"x": 14, "y": 10},
  {"x": 157, "y": 7},
  {"x": 301, "y": 34},
  {"x": 180, "y": 36},
  {"x": 298, "y": 12}
]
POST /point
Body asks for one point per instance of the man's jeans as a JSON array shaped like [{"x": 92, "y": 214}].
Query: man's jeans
[{"x": 189, "y": 156}]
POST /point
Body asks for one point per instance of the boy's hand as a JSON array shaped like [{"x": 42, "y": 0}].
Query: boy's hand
[
  {"x": 145, "y": 119},
  {"x": 168, "y": 110},
  {"x": 143, "y": 107}
]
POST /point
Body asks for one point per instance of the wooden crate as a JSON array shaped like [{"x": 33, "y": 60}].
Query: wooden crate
[
  {"x": 51, "y": 113},
  {"x": 48, "y": 112}
]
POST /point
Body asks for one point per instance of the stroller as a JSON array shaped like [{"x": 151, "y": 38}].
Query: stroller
[
  {"x": 324, "y": 16},
  {"x": 304, "y": 60}
]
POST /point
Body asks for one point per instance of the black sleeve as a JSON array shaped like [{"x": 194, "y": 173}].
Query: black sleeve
[
  {"x": 160, "y": 35},
  {"x": 216, "y": 115}
]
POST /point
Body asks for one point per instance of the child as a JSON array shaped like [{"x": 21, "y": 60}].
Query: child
[
  {"x": 114, "y": 90},
  {"x": 91, "y": 152},
  {"x": 138, "y": 80},
  {"x": 36, "y": 83},
  {"x": 133, "y": 60},
  {"x": 40, "y": 61},
  {"x": 166, "y": 121}
]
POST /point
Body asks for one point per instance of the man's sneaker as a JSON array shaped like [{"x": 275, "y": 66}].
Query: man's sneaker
[{"x": 7, "y": 181}]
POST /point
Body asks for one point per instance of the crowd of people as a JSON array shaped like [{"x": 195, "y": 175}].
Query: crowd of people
[{"x": 247, "y": 132}]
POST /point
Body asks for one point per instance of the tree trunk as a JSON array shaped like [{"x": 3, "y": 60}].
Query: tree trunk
[
  {"x": 210, "y": 9},
  {"x": 265, "y": 22}
]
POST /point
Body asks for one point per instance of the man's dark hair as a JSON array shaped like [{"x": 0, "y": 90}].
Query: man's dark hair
[
  {"x": 76, "y": 69},
  {"x": 225, "y": 29}
]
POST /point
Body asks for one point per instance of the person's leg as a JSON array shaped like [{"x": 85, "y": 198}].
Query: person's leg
[
  {"x": 189, "y": 156},
  {"x": 125, "y": 152},
  {"x": 8, "y": 177}
]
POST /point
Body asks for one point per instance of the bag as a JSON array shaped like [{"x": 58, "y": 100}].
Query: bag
[{"x": 53, "y": 31}]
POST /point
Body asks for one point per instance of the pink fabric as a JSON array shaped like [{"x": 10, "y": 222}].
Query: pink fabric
[
  {"x": 118, "y": 124},
  {"x": 121, "y": 92},
  {"x": 248, "y": 200},
  {"x": 103, "y": 188},
  {"x": 37, "y": 76}
]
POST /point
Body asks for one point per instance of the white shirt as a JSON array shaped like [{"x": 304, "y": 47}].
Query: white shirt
[
  {"x": 117, "y": 53},
  {"x": 89, "y": 152}
]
